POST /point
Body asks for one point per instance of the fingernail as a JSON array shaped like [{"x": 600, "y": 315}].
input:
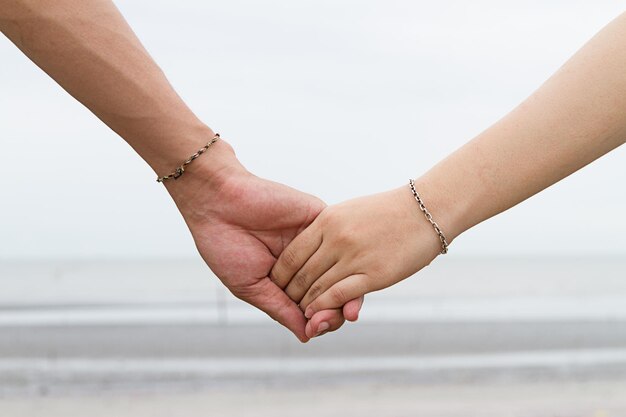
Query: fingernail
[
  {"x": 322, "y": 328},
  {"x": 308, "y": 313}
]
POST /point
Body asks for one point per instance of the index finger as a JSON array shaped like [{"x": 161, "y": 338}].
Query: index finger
[{"x": 295, "y": 255}]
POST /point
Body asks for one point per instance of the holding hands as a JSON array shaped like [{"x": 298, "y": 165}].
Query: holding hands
[{"x": 241, "y": 223}]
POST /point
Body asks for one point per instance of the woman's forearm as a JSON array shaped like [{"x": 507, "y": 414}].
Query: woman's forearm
[
  {"x": 575, "y": 117},
  {"x": 372, "y": 242},
  {"x": 90, "y": 50}
]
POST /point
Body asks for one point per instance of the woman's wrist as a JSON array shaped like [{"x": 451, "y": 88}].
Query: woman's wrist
[
  {"x": 444, "y": 203},
  {"x": 414, "y": 230}
]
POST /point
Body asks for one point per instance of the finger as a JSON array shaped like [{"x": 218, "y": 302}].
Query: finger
[
  {"x": 323, "y": 283},
  {"x": 323, "y": 322},
  {"x": 295, "y": 255},
  {"x": 339, "y": 294},
  {"x": 266, "y": 296},
  {"x": 314, "y": 268},
  {"x": 352, "y": 308},
  {"x": 333, "y": 318}
]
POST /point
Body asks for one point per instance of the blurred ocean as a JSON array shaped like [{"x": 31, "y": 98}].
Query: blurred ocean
[
  {"x": 148, "y": 334},
  {"x": 186, "y": 291}
]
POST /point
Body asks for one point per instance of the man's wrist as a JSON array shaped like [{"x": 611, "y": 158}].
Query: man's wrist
[
  {"x": 204, "y": 179},
  {"x": 210, "y": 169},
  {"x": 169, "y": 151}
]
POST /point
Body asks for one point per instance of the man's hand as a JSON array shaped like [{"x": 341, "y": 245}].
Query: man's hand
[{"x": 241, "y": 224}]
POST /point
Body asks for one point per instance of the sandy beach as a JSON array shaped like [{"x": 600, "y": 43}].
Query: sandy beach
[{"x": 571, "y": 399}]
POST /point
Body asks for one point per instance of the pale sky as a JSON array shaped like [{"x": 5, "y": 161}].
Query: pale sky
[{"x": 338, "y": 99}]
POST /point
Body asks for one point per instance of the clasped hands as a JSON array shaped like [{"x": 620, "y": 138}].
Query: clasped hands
[{"x": 306, "y": 265}]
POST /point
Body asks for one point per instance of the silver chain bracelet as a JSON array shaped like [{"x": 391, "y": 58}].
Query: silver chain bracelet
[{"x": 429, "y": 217}]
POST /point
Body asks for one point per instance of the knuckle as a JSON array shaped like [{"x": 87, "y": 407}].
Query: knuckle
[
  {"x": 369, "y": 285},
  {"x": 300, "y": 280},
  {"x": 315, "y": 291},
  {"x": 338, "y": 296},
  {"x": 345, "y": 237},
  {"x": 289, "y": 258},
  {"x": 240, "y": 292},
  {"x": 380, "y": 270},
  {"x": 329, "y": 217}
]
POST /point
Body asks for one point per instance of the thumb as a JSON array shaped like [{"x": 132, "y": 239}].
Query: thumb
[
  {"x": 352, "y": 308},
  {"x": 269, "y": 298}
]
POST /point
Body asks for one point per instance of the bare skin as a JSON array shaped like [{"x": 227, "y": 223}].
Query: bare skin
[
  {"x": 240, "y": 223},
  {"x": 370, "y": 243}
]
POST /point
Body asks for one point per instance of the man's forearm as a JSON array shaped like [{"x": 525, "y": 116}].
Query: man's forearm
[
  {"x": 89, "y": 49},
  {"x": 578, "y": 115},
  {"x": 239, "y": 222}
]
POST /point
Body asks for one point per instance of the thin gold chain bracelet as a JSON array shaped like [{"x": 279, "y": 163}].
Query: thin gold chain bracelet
[
  {"x": 429, "y": 217},
  {"x": 181, "y": 169}
]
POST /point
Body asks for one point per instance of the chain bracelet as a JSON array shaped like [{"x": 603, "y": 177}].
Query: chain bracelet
[
  {"x": 429, "y": 217},
  {"x": 181, "y": 169}
]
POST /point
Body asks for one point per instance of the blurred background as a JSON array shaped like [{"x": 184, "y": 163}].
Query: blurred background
[{"x": 106, "y": 308}]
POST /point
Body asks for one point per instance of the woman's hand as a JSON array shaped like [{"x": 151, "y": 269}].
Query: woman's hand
[{"x": 354, "y": 248}]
